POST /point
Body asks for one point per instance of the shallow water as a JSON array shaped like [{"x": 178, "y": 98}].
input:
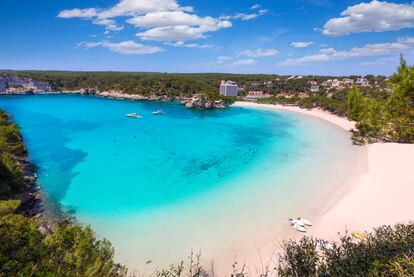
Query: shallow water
[{"x": 220, "y": 181}]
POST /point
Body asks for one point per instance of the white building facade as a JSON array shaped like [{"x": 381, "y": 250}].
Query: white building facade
[{"x": 229, "y": 88}]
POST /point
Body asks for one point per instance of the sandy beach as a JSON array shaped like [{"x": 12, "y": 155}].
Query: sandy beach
[
  {"x": 383, "y": 195},
  {"x": 334, "y": 119}
]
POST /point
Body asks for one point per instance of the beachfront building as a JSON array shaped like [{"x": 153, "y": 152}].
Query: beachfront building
[
  {"x": 348, "y": 81},
  {"x": 314, "y": 88},
  {"x": 362, "y": 82},
  {"x": 286, "y": 95},
  {"x": 254, "y": 95},
  {"x": 335, "y": 83},
  {"x": 229, "y": 88}
]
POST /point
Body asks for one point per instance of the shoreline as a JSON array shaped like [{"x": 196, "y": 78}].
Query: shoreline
[
  {"x": 341, "y": 122},
  {"x": 379, "y": 196},
  {"x": 197, "y": 101},
  {"x": 376, "y": 195}
]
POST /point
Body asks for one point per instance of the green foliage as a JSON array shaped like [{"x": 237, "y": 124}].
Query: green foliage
[
  {"x": 11, "y": 149},
  {"x": 299, "y": 258},
  {"x": 69, "y": 251},
  {"x": 388, "y": 251},
  {"x": 402, "y": 82},
  {"x": 355, "y": 104},
  {"x": 8, "y": 206},
  {"x": 389, "y": 119}
]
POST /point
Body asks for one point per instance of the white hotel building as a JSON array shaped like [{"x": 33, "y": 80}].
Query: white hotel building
[{"x": 229, "y": 88}]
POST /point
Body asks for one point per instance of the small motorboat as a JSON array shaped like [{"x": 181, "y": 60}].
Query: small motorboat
[
  {"x": 133, "y": 115},
  {"x": 302, "y": 221},
  {"x": 158, "y": 112},
  {"x": 299, "y": 228}
]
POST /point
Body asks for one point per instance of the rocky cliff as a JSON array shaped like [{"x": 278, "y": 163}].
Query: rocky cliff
[
  {"x": 202, "y": 102},
  {"x": 10, "y": 84}
]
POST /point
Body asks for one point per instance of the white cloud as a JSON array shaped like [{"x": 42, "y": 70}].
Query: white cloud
[
  {"x": 380, "y": 61},
  {"x": 172, "y": 33},
  {"x": 189, "y": 45},
  {"x": 263, "y": 11},
  {"x": 250, "y": 16},
  {"x": 176, "y": 26},
  {"x": 223, "y": 58},
  {"x": 375, "y": 16},
  {"x": 244, "y": 16},
  {"x": 368, "y": 50},
  {"x": 78, "y": 13},
  {"x": 259, "y": 53},
  {"x": 172, "y": 18},
  {"x": 220, "y": 60},
  {"x": 125, "y": 47},
  {"x": 87, "y": 44},
  {"x": 134, "y": 7},
  {"x": 255, "y": 7},
  {"x": 244, "y": 62},
  {"x": 108, "y": 23},
  {"x": 162, "y": 20},
  {"x": 301, "y": 44}
]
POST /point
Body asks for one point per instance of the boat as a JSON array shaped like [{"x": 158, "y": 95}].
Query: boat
[
  {"x": 158, "y": 112},
  {"x": 302, "y": 221},
  {"x": 133, "y": 115},
  {"x": 295, "y": 221},
  {"x": 299, "y": 228}
]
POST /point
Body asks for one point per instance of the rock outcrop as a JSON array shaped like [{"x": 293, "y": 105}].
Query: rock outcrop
[
  {"x": 201, "y": 102},
  {"x": 10, "y": 84}
]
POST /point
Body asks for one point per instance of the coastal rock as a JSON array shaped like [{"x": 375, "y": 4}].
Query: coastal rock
[
  {"x": 201, "y": 102},
  {"x": 88, "y": 91},
  {"x": 10, "y": 84}
]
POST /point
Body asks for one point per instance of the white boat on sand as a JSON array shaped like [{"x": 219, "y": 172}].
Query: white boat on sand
[
  {"x": 303, "y": 221},
  {"x": 295, "y": 221},
  {"x": 299, "y": 228}
]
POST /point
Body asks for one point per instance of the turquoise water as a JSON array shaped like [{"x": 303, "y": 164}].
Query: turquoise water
[{"x": 159, "y": 186}]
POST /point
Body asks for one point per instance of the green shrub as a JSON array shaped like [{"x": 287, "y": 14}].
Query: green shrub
[
  {"x": 8, "y": 206},
  {"x": 388, "y": 251},
  {"x": 69, "y": 251}
]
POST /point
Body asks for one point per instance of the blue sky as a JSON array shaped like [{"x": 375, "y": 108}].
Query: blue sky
[{"x": 322, "y": 37}]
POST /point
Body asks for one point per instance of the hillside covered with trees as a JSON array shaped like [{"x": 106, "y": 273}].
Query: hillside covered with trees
[
  {"x": 390, "y": 119},
  {"x": 381, "y": 116}
]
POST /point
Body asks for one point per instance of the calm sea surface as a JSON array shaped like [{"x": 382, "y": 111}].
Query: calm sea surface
[{"x": 160, "y": 186}]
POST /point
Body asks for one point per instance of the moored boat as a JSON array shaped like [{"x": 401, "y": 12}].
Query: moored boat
[
  {"x": 299, "y": 228},
  {"x": 302, "y": 221},
  {"x": 133, "y": 115},
  {"x": 158, "y": 112}
]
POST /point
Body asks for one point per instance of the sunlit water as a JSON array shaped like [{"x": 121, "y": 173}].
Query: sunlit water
[{"x": 221, "y": 181}]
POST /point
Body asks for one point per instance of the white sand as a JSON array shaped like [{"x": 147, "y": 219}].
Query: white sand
[
  {"x": 339, "y": 121},
  {"x": 383, "y": 195}
]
